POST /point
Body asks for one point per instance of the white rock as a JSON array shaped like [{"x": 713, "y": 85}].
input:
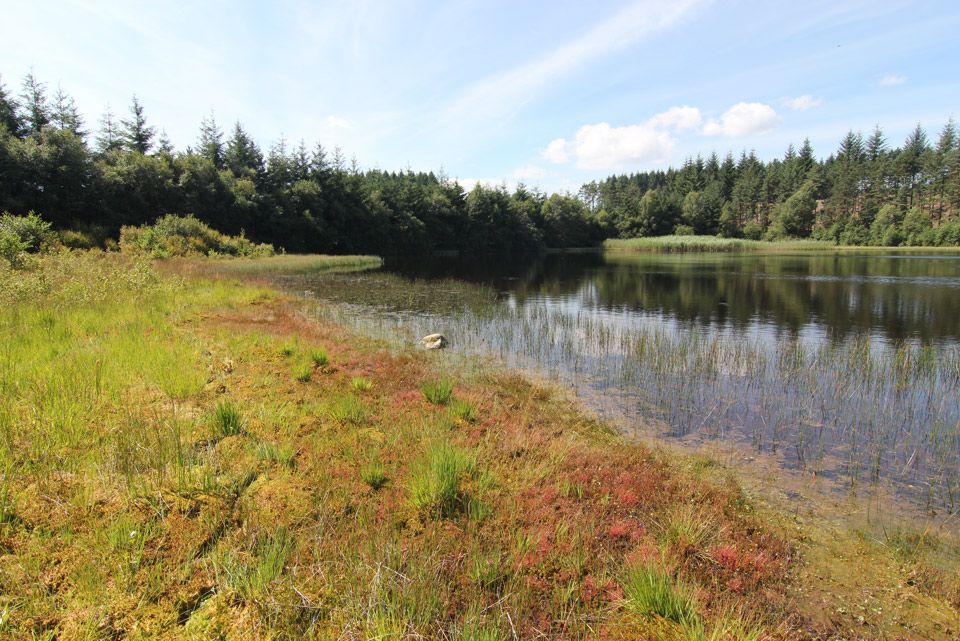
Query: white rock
[{"x": 434, "y": 341}]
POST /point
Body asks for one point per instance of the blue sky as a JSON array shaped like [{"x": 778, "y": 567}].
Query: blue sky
[{"x": 549, "y": 93}]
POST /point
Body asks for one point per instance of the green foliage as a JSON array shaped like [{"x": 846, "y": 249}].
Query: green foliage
[
  {"x": 464, "y": 410},
  {"x": 347, "y": 409},
  {"x": 360, "y": 383},
  {"x": 438, "y": 392},
  {"x": 794, "y": 217},
  {"x": 434, "y": 484},
  {"x": 250, "y": 576},
  {"x": 227, "y": 419},
  {"x": 173, "y": 235}
]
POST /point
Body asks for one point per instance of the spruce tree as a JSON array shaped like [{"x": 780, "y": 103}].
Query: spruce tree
[
  {"x": 137, "y": 136},
  {"x": 36, "y": 112}
]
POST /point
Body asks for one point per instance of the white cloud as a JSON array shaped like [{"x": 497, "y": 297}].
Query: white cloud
[
  {"x": 528, "y": 172},
  {"x": 801, "y": 103},
  {"x": 601, "y": 146},
  {"x": 556, "y": 151},
  {"x": 742, "y": 119},
  {"x": 892, "y": 80},
  {"x": 677, "y": 118},
  {"x": 503, "y": 93},
  {"x": 338, "y": 123}
]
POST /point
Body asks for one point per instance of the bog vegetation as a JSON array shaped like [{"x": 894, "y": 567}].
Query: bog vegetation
[{"x": 91, "y": 181}]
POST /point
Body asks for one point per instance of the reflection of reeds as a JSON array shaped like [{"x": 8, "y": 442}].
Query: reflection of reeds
[{"x": 858, "y": 407}]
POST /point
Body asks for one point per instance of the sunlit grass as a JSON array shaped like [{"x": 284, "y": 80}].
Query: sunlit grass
[{"x": 438, "y": 392}]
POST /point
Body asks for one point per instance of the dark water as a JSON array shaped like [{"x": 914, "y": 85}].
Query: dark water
[
  {"x": 891, "y": 297},
  {"x": 841, "y": 364}
]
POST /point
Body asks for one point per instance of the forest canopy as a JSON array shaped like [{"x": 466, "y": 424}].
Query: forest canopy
[{"x": 299, "y": 198}]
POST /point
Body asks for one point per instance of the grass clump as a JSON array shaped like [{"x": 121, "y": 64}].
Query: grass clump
[
  {"x": 228, "y": 419},
  {"x": 651, "y": 592},
  {"x": 319, "y": 357},
  {"x": 361, "y": 384},
  {"x": 347, "y": 409},
  {"x": 434, "y": 485},
  {"x": 438, "y": 392},
  {"x": 280, "y": 453},
  {"x": 464, "y": 410},
  {"x": 287, "y": 349},
  {"x": 302, "y": 372},
  {"x": 373, "y": 474},
  {"x": 688, "y": 530},
  {"x": 250, "y": 576}
]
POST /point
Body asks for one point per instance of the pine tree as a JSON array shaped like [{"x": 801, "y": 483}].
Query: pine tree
[
  {"x": 34, "y": 100},
  {"x": 242, "y": 156},
  {"x": 210, "y": 143},
  {"x": 109, "y": 138},
  {"x": 137, "y": 136},
  {"x": 9, "y": 112},
  {"x": 65, "y": 115},
  {"x": 164, "y": 146}
]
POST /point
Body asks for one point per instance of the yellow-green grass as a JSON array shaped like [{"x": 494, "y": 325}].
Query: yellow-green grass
[
  {"x": 678, "y": 244},
  {"x": 164, "y": 476}
]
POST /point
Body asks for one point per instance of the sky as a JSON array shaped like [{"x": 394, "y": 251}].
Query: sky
[{"x": 550, "y": 94}]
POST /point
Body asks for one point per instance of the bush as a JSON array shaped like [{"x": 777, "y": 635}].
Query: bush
[
  {"x": 21, "y": 235},
  {"x": 683, "y": 230},
  {"x": 753, "y": 230},
  {"x": 173, "y": 235}
]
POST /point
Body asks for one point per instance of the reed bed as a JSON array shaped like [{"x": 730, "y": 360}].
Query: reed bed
[{"x": 857, "y": 408}]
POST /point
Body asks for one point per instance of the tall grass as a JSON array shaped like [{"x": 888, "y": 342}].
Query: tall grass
[
  {"x": 438, "y": 392},
  {"x": 651, "y": 592}
]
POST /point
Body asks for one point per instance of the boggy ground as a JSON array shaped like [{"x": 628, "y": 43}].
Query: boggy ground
[{"x": 186, "y": 458}]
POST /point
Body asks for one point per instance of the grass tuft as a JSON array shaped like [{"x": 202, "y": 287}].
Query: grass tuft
[
  {"x": 651, "y": 592},
  {"x": 319, "y": 357},
  {"x": 227, "y": 419},
  {"x": 438, "y": 392},
  {"x": 373, "y": 474},
  {"x": 434, "y": 484},
  {"x": 361, "y": 384},
  {"x": 347, "y": 409},
  {"x": 464, "y": 410},
  {"x": 302, "y": 372}
]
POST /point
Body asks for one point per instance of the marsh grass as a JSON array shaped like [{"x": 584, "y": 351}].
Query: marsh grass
[
  {"x": 463, "y": 410},
  {"x": 347, "y": 409},
  {"x": 669, "y": 244},
  {"x": 361, "y": 383},
  {"x": 435, "y": 479},
  {"x": 373, "y": 474},
  {"x": 651, "y": 592},
  {"x": 302, "y": 372},
  {"x": 250, "y": 575},
  {"x": 283, "y": 454},
  {"x": 438, "y": 392},
  {"x": 319, "y": 357},
  {"x": 227, "y": 419}
]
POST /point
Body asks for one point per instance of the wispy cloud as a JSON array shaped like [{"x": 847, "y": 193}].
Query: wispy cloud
[
  {"x": 556, "y": 151},
  {"x": 528, "y": 172},
  {"x": 891, "y": 80},
  {"x": 337, "y": 122},
  {"x": 801, "y": 103},
  {"x": 742, "y": 119},
  {"x": 505, "y": 92}
]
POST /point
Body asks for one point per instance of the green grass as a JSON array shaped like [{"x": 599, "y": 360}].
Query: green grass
[
  {"x": 464, "y": 410},
  {"x": 347, "y": 409},
  {"x": 438, "y": 392},
  {"x": 361, "y": 384},
  {"x": 373, "y": 474},
  {"x": 251, "y": 575},
  {"x": 228, "y": 419},
  {"x": 319, "y": 357},
  {"x": 651, "y": 592},
  {"x": 282, "y": 454},
  {"x": 297, "y": 263},
  {"x": 302, "y": 372},
  {"x": 435, "y": 480}
]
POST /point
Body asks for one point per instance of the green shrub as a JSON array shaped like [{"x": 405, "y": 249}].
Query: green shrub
[
  {"x": 173, "y": 235},
  {"x": 437, "y": 392},
  {"x": 32, "y": 230},
  {"x": 683, "y": 230},
  {"x": 227, "y": 419}
]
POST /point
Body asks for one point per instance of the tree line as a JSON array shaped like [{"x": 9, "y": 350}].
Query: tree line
[{"x": 311, "y": 199}]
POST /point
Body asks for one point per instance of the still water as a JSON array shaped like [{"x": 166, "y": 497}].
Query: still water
[{"x": 844, "y": 365}]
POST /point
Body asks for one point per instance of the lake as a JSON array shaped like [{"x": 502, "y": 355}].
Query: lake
[{"x": 843, "y": 365}]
